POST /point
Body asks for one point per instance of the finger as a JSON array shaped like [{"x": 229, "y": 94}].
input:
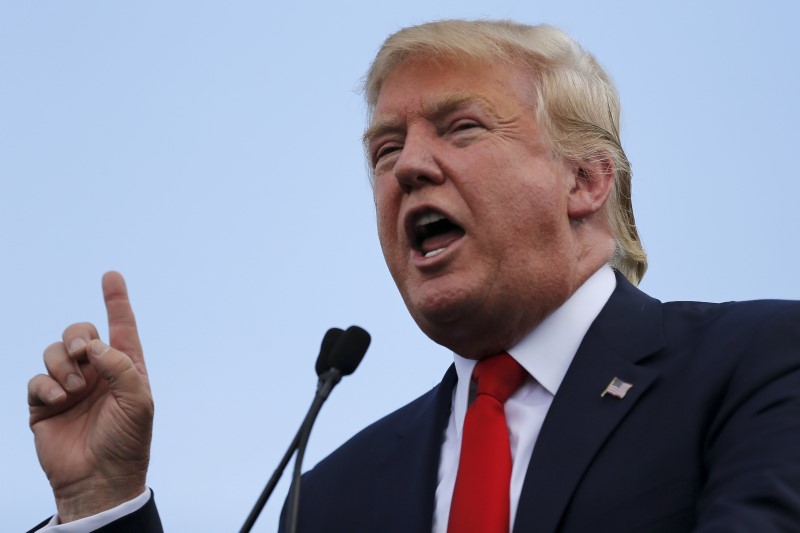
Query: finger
[
  {"x": 122, "y": 331},
  {"x": 77, "y": 337},
  {"x": 44, "y": 391},
  {"x": 118, "y": 369},
  {"x": 63, "y": 368}
]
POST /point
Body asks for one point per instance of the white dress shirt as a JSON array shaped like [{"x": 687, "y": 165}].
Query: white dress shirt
[{"x": 546, "y": 353}]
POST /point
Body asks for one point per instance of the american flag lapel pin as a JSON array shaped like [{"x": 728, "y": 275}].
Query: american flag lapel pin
[{"x": 617, "y": 388}]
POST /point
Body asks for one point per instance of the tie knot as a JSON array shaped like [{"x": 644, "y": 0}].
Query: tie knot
[{"x": 499, "y": 376}]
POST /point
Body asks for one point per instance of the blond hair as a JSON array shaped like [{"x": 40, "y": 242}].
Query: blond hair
[{"x": 575, "y": 101}]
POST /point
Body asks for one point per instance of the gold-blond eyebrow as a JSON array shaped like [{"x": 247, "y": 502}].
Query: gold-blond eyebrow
[
  {"x": 380, "y": 126},
  {"x": 452, "y": 102},
  {"x": 434, "y": 109}
]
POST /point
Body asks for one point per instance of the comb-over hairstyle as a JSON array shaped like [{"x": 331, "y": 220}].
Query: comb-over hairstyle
[{"x": 574, "y": 100}]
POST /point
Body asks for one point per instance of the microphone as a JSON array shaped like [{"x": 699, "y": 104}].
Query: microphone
[
  {"x": 339, "y": 354},
  {"x": 328, "y": 342},
  {"x": 344, "y": 357}
]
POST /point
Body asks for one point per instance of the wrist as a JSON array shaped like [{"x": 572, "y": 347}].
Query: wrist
[{"x": 94, "y": 496}]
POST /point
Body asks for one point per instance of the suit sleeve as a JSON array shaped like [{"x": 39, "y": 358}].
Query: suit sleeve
[
  {"x": 145, "y": 520},
  {"x": 752, "y": 449}
]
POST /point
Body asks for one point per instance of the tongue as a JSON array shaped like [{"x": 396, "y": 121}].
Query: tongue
[{"x": 441, "y": 240}]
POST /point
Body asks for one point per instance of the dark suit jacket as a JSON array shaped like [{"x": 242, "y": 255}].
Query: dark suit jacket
[{"x": 708, "y": 438}]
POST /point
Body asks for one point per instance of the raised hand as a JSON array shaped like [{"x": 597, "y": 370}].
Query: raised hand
[{"x": 92, "y": 414}]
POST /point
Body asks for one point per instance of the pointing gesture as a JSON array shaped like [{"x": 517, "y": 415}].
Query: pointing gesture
[{"x": 92, "y": 414}]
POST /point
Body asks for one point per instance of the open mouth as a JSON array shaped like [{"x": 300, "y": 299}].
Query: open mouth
[{"x": 433, "y": 233}]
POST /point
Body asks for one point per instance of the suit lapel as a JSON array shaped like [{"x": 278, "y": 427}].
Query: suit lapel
[
  {"x": 410, "y": 469},
  {"x": 579, "y": 421}
]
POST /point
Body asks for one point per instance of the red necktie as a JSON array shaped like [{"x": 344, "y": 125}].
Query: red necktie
[{"x": 481, "y": 499}]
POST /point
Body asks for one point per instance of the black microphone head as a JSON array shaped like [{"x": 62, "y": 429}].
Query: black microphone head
[
  {"x": 349, "y": 350},
  {"x": 328, "y": 342}
]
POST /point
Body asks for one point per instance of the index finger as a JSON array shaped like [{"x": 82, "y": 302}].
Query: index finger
[{"x": 122, "y": 331}]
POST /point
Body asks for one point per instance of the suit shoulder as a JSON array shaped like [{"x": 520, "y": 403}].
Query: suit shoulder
[
  {"x": 748, "y": 307},
  {"x": 751, "y": 342},
  {"x": 370, "y": 443},
  {"x": 737, "y": 318}
]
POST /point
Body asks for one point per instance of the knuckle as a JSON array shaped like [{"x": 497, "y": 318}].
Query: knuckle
[
  {"x": 80, "y": 329},
  {"x": 34, "y": 381},
  {"x": 38, "y": 387},
  {"x": 53, "y": 351},
  {"x": 148, "y": 407}
]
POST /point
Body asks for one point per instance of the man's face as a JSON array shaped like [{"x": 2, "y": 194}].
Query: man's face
[{"x": 471, "y": 203}]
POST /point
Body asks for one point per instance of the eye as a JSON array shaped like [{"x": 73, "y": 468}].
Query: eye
[
  {"x": 464, "y": 131},
  {"x": 464, "y": 125},
  {"x": 384, "y": 150}
]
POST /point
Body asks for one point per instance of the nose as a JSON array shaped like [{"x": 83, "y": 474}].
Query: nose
[{"x": 418, "y": 165}]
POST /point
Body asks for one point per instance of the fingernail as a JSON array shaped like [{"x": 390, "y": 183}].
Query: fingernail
[
  {"x": 98, "y": 348},
  {"x": 74, "y": 382},
  {"x": 55, "y": 394},
  {"x": 76, "y": 345}
]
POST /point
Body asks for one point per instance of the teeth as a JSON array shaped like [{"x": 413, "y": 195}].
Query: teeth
[
  {"x": 434, "y": 252},
  {"x": 427, "y": 218}
]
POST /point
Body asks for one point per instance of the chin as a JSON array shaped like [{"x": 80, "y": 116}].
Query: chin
[
  {"x": 467, "y": 340},
  {"x": 476, "y": 324},
  {"x": 441, "y": 305},
  {"x": 465, "y": 329}
]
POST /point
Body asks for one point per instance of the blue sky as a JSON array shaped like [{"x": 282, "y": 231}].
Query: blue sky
[{"x": 211, "y": 152}]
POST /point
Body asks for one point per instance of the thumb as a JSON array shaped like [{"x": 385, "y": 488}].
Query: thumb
[{"x": 116, "y": 368}]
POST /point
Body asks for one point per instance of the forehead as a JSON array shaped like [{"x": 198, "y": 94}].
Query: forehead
[{"x": 430, "y": 88}]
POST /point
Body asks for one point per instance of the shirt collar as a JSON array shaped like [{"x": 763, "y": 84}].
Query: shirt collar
[{"x": 547, "y": 351}]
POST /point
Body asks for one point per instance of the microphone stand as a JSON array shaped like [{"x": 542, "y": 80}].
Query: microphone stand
[
  {"x": 326, "y": 382},
  {"x": 340, "y": 354}
]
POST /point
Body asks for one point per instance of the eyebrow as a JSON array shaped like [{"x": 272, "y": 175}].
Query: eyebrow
[{"x": 435, "y": 109}]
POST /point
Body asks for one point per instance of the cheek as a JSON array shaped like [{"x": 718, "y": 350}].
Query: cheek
[
  {"x": 386, "y": 213},
  {"x": 527, "y": 219}
]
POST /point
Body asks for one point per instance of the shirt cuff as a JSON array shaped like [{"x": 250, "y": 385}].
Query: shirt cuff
[{"x": 94, "y": 522}]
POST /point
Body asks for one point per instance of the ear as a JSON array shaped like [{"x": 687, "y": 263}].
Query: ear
[{"x": 590, "y": 190}]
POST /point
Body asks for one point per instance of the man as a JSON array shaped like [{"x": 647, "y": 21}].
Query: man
[{"x": 503, "y": 205}]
